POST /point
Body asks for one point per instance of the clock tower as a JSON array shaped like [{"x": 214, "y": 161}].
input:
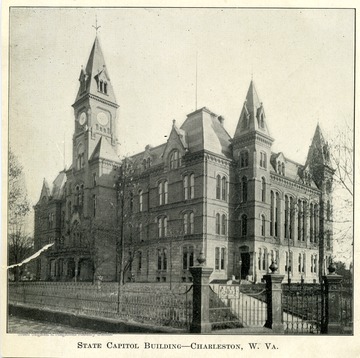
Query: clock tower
[{"x": 94, "y": 109}]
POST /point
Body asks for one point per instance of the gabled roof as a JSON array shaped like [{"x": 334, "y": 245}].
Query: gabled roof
[
  {"x": 177, "y": 137},
  {"x": 58, "y": 186},
  {"x": 94, "y": 71},
  {"x": 205, "y": 131},
  {"x": 104, "y": 150}
]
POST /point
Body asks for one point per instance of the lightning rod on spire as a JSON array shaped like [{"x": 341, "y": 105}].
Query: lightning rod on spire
[{"x": 96, "y": 27}]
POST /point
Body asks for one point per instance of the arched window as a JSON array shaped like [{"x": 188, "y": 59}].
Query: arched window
[
  {"x": 223, "y": 188},
  {"x": 263, "y": 190},
  {"x": 262, "y": 225},
  {"x": 218, "y": 186},
  {"x": 300, "y": 263},
  {"x": 223, "y": 224},
  {"x": 188, "y": 257},
  {"x": 162, "y": 227},
  {"x": 165, "y": 192},
  {"x": 243, "y": 225},
  {"x": 186, "y": 187},
  {"x": 277, "y": 213},
  {"x": 192, "y": 186},
  {"x": 286, "y": 217},
  {"x": 175, "y": 160},
  {"x": 188, "y": 220},
  {"x": 259, "y": 259},
  {"x": 191, "y": 217},
  {"x": 80, "y": 156},
  {"x": 263, "y": 160},
  {"x": 244, "y": 189},
  {"x": 244, "y": 159},
  {"x": 162, "y": 259},
  {"x": 140, "y": 200},
  {"x": 292, "y": 218},
  {"x": 186, "y": 223},
  {"x": 217, "y": 224}
]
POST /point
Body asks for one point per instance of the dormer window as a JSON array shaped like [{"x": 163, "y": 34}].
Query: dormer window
[
  {"x": 175, "y": 159},
  {"x": 101, "y": 86},
  {"x": 105, "y": 87}
]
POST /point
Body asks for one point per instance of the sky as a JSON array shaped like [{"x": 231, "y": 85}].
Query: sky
[{"x": 302, "y": 63}]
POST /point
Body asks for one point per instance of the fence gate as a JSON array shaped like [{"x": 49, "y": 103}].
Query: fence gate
[
  {"x": 234, "y": 306},
  {"x": 303, "y": 309}
]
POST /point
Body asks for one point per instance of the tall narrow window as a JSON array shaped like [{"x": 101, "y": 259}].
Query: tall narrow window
[
  {"x": 186, "y": 224},
  {"x": 264, "y": 259},
  {"x": 140, "y": 200},
  {"x": 299, "y": 220},
  {"x": 217, "y": 258},
  {"x": 277, "y": 211},
  {"x": 223, "y": 224},
  {"x": 218, "y": 186},
  {"x": 244, "y": 189},
  {"x": 292, "y": 216},
  {"x": 131, "y": 204},
  {"x": 175, "y": 160},
  {"x": 191, "y": 217},
  {"x": 217, "y": 224},
  {"x": 223, "y": 188},
  {"x": 262, "y": 225},
  {"x": 141, "y": 233},
  {"x": 263, "y": 160},
  {"x": 94, "y": 205},
  {"x": 222, "y": 259},
  {"x": 165, "y": 192},
  {"x": 244, "y": 159},
  {"x": 139, "y": 260},
  {"x": 94, "y": 179},
  {"x": 160, "y": 193},
  {"x": 259, "y": 259},
  {"x": 311, "y": 222},
  {"x": 192, "y": 186},
  {"x": 316, "y": 222},
  {"x": 263, "y": 190},
  {"x": 186, "y": 187},
  {"x": 271, "y": 213},
  {"x": 286, "y": 217}
]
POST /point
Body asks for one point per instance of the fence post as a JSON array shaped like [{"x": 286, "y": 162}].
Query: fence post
[
  {"x": 200, "y": 320},
  {"x": 274, "y": 319},
  {"x": 332, "y": 303}
]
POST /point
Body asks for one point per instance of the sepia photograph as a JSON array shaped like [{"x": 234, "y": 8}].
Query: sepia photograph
[{"x": 177, "y": 171}]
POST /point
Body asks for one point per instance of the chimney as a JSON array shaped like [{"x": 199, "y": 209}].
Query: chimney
[{"x": 221, "y": 120}]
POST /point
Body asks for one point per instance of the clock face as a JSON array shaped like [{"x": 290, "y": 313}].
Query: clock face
[
  {"x": 82, "y": 118},
  {"x": 102, "y": 119}
]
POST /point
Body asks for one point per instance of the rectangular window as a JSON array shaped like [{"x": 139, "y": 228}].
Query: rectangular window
[{"x": 186, "y": 185}]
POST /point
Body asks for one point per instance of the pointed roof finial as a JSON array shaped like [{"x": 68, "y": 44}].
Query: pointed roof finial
[{"x": 96, "y": 27}]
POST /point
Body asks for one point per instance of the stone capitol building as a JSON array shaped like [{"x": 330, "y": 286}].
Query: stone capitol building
[{"x": 230, "y": 197}]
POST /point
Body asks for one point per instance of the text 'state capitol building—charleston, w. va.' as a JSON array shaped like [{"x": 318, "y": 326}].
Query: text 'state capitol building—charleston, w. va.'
[{"x": 231, "y": 198}]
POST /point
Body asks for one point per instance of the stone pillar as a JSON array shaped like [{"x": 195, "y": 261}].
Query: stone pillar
[
  {"x": 332, "y": 304},
  {"x": 201, "y": 291},
  {"x": 274, "y": 301}
]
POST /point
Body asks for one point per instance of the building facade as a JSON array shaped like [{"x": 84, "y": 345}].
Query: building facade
[{"x": 152, "y": 214}]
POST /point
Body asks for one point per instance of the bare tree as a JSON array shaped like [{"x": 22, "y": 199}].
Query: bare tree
[{"x": 19, "y": 243}]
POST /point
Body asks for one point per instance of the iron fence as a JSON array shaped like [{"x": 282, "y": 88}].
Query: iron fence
[
  {"x": 151, "y": 303},
  {"x": 303, "y": 309}
]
